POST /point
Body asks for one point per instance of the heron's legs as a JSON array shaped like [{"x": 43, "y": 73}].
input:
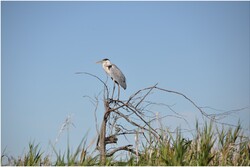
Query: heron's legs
[
  {"x": 113, "y": 91},
  {"x": 118, "y": 92}
]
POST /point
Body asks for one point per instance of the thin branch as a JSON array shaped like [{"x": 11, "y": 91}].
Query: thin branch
[
  {"x": 146, "y": 95},
  {"x": 105, "y": 85},
  {"x": 191, "y": 101},
  {"x": 154, "y": 119},
  {"x": 95, "y": 103},
  {"x": 128, "y": 133},
  {"x": 135, "y": 124},
  {"x": 96, "y": 122},
  {"x": 163, "y": 104},
  {"x": 224, "y": 112},
  {"x": 141, "y": 118}
]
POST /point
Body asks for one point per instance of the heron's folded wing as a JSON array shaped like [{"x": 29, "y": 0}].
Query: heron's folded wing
[{"x": 118, "y": 76}]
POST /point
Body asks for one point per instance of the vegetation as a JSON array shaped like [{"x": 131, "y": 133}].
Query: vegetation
[{"x": 209, "y": 146}]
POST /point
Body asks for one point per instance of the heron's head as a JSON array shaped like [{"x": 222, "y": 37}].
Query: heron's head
[{"x": 104, "y": 62}]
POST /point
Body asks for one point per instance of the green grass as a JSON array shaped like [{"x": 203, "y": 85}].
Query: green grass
[{"x": 210, "y": 145}]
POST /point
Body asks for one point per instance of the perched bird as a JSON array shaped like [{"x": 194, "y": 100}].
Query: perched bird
[{"x": 115, "y": 73}]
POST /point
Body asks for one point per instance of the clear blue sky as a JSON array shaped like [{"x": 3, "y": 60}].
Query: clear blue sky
[{"x": 198, "y": 48}]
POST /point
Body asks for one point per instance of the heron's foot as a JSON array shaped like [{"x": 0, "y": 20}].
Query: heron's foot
[
  {"x": 110, "y": 100},
  {"x": 116, "y": 101}
]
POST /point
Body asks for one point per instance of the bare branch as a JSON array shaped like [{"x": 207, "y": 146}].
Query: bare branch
[
  {"x": 135, "y": 111},
  {"x": 146, "y": 95},
  {"x": 125, "y": 148},
  {"x": 104, "y": 84},
  {"x": 135, "y": 124},
  {"x": 96, "y": 122},
  {"x": 224, "y": 112},
  {"x": 175, "y": 92}
]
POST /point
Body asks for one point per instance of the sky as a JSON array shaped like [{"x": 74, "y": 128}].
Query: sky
[{"x": 200, "y": 49}]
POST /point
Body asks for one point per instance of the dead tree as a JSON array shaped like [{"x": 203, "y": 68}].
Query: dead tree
[
  {"x": 132, "y": 111},
  {"x": 125, "y": 110}
]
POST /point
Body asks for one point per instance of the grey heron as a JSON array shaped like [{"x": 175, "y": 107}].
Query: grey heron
[{"x": 115, "y": 73}]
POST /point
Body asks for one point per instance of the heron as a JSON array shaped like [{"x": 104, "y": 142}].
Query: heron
[{"x": 115, "y": 73}]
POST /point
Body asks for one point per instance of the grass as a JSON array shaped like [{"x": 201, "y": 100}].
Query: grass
[{"x": 210, "y": 146}]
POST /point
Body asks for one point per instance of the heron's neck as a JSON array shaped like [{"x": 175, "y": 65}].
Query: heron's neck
[{"x": 107, "y": 68}]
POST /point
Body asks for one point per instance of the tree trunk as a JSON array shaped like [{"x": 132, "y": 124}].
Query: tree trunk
[{"x": 102, "y": 144}]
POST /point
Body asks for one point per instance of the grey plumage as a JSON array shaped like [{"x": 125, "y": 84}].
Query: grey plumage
[{"x": 115, "y": 73}]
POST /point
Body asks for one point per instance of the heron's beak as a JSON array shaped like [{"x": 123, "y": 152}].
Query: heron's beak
[{"x": 99, "y": 62}]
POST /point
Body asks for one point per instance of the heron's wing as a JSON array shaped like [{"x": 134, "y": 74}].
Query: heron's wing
[{"x": 118, "y": 76}]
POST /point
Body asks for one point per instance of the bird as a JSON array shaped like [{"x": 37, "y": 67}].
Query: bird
[{"x": 115, "y": 74}]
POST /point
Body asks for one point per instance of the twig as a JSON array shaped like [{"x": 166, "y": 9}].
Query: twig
[
  {"x": 146, "y": 95},
  {"x": 135, "y": 124},
  {"x": 105, "y": 85}
]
